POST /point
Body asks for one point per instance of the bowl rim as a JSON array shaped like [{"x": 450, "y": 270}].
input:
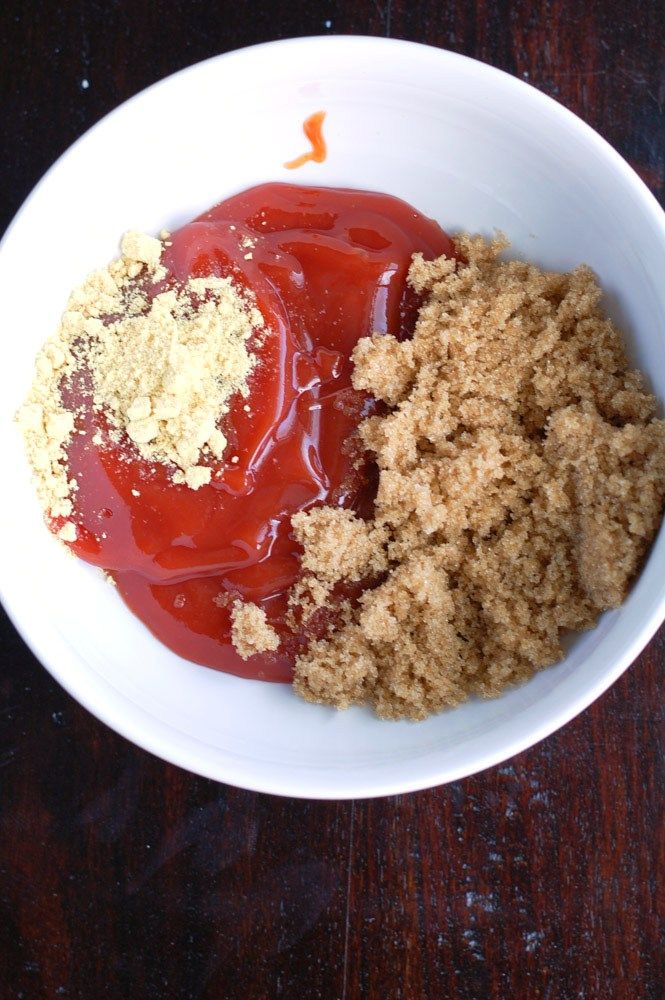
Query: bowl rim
[{"x": 113, "y": 709}]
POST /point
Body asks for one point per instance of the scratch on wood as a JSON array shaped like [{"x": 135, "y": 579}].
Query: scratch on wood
[
  {"x": 385, "y": 13},
  {"x": 347, "y": 919}
]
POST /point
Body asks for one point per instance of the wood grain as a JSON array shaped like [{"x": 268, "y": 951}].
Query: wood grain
[{"x": 121, "y": 876}]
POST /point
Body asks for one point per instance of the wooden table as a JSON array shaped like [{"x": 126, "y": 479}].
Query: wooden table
[{"x": 121, "y": 876}]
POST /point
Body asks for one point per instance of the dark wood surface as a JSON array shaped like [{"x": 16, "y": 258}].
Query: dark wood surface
[{"x": 121, "y": 876}]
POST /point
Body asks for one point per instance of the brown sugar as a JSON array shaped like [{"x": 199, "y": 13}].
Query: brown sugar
[
  {"x": 522, "y": 480},
  {"x": 251, "y": 633},
  {"x": 337, "y": 545}
]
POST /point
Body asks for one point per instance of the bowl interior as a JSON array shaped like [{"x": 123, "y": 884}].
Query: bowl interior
[{"x": 473, "y": 148}]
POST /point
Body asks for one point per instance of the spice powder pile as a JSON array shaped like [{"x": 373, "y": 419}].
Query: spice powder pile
[{"x": 163, "y": 361}]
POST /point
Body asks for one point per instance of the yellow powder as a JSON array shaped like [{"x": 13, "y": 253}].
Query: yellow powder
[
  {"x": 47, "y": 428},
  {"x": 522, "y": 479},
  {"x": 165, "y": 360},
  {"x": 141, "y": 247},
  {"x": 68, "y": 532},
  {"x": 251, "y": 633}
]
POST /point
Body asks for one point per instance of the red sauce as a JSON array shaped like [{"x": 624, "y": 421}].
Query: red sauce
[
  {"x": 313, "y": 129},
  {"x": 327, "y": 267}
]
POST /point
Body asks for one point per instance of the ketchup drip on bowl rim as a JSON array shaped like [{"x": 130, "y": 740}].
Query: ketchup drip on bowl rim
[{"x": 326, "y": 267}]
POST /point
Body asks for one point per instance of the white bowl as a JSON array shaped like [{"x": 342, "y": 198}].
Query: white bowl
[{"x": 466, "y": 144}]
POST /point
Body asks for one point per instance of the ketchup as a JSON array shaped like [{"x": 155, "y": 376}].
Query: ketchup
[
  {"x": 326, "y": 267},
  {"x": 313, "y": 129}
]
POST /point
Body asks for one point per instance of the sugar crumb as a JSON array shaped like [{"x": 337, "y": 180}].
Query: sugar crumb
[
  {"x": 250, "y": 631},
  {"x": 338, "y": 545}
]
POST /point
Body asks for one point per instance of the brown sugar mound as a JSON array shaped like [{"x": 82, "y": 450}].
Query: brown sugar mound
[
  {"x": 522, "y": 480},
  {"x": 337, "y": 545}
]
